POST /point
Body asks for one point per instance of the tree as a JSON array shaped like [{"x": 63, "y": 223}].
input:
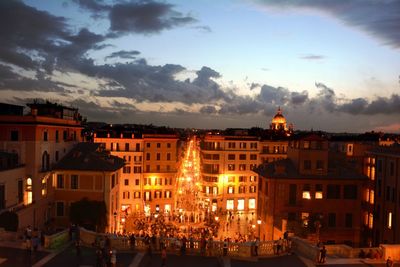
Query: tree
[
  {"x": 89, "y": 214},
  {"x": 9, "y": 221}
]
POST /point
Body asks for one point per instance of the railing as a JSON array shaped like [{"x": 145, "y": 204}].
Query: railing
[
  {"x": 56, "y": 240},
  {"x": 193, "y": 247}
]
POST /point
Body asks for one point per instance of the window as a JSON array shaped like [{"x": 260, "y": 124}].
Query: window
[
  {"x": 240, "y": 205},
  {"x": 253, "y": 157},
  {"x": 125, "y": 195},
  {"x": 370, "y": 220},
  {"x": 333, "y": 191},
  {"x": 252, "y": 203},
  {"x": 292, "y": 194},
  {"x": 331, "y": 219},
  {"x": 304, "y": 217},
  {"x": 45, "y": 136},
  {"x": 147, "y": 181},
  {"x": 45, "y": 161},
  {"x": 14, "y": 135},
  {"x": 168, "y": 145},
  {"x": 253, "y": 145},
  {"x": 126, "y": 169},
  {"x": 252, "y": 166},
  {"x": 307, "y": 164},
  {"x": 57, "y": 155},
  {"x": 158, "y": 156},
  {"x": 379, "y": 166},
  {"x": 306, "y": 191},
  {"x": 126, "y": 146},
  {"x": 74, "y": 181},
  {"x": 242, "y": 157},
  {"x": 230, "y": 204},
  {"x": 389, "y": 220},
  {"x": 242, "y": 145},
  {"x": 242, "y": 167},
  {"x": 231, "y": 167},
  {"x": 113, "y": 181},
  {"x": 126, "y": 181},
  {"x": 167, "y": 194},
  {"x": 157, "y": 194},
  {"x": 147, "y": 168},
  {"x": 306, "y": 144},
  {"x": 147, "y": 156},
  {"x": 65, "y": 135},
  {"x": 242, "y": 189},
  {"x": 20, "y": 195},
  {"x": 320, "y": 164},
  {"x": 136, "y": 194},
  {"x": 242, "y": 179},
  {"x": 137, "y": 169},
  {"x": 253, "y": 178},
  {"x": 59, "y": 209},
  {"x": 350, "y": 191},
  {"x": 158, "y": 145},
  {"x": 231, "y": 156},
  {"x": 231, "y": 179},
  {"x": 147, "y": 195},
  {"x": 29, "y": 190},
  {"x": 60, "y": 181},
  {"x": 137, "y": 182},
  {"x": 252, "y": 189},
  {"x": 158, "y": 167},
  {"x": 137, "y": 147},
  {"x": 148, "y": 145},
  {"x": 318, "y": 191},
  {"x": 57, "y": 138},
  {"x": 231, "y": 190},
  {"x": 168, "y": 156},
  {"x": 231, "y": 145},
  {"x": 348, "y": 220}
]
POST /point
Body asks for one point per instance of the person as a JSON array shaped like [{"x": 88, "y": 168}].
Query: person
[
  {"x": 225, "y": 248},
  {"x": 132, "y": 241},
  {"x": 113, "y": 258},
  {"x": 389, "y": 262},
  {"x": 256, "y": 243},
  {"x": 163, "y": 257},
  {"x": 322, "y": 255},
  {"x": 279, "y": 246}
]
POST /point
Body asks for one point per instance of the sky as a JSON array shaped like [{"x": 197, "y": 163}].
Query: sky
[{"x": 329, "y": 65}]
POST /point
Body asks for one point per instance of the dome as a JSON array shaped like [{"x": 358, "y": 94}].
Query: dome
[{"x": 278, "y": 121}]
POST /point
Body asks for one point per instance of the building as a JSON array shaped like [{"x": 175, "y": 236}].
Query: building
[
  {"x": 229, "y": 184},
  {"x": 87, "y": 171},
  {"x": 382, "y": 166},
  {"x": 312, "y": 193},
  {"x": 40, "y": 139},
  {"x": 149, "y": 176}
]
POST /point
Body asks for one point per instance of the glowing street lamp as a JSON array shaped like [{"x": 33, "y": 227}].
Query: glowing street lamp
[
  {"x": 259, "y": 227},
  {"x": 216, "y": 218}
]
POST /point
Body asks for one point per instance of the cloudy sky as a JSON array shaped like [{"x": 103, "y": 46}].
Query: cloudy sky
[{"x": 330, "y": 65}]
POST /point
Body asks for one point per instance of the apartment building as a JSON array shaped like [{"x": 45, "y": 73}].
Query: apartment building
[
  {"x": 40, "y": 139},
  {"x": 312, "y": 193},
  {"x": 87, "y": 172},
  {"x": 382, "y": 166},
  {"x": 149, "y": 176}
]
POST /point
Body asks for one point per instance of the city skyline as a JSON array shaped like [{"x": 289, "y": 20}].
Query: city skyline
[{"x": 203, "y": 64}]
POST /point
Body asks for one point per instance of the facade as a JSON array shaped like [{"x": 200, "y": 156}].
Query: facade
[
  {"x": 310, "y": 190},
  {"x": 149, "y": 176},
  {"x": 39, "y": 139},
  {"x": 382, "y": 165},
  {"x": 87, "y": 172},
  {"x": 229, "y": 184}
]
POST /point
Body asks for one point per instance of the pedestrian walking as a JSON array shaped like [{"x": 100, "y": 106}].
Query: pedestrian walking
[
  {"x": 322, "y": 258},
  {"x": 389, "y": 262}
]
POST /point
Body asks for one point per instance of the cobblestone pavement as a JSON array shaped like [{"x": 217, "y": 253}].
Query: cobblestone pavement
[
  {"x": 15, "y": 257},
  {"x": 88, "y": 258}
]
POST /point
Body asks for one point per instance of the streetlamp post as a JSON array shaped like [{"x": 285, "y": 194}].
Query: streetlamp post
[{"x": 259, "y": 228}]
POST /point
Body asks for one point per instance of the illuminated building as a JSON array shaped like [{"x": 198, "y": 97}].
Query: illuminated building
[
  {"x": 382, "y": 166},
  {"x": 39, "y": 139},
  {"x": 148, "y": 178},
  {"x": 87, "y": 172},
  {"x": 310, "y": 187}
]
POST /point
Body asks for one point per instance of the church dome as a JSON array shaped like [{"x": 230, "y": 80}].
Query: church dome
[{"x": 278, "y": 121}]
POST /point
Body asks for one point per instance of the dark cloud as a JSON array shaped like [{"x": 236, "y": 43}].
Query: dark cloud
[
  {"x": 254, "y": 85},
  {"x": 124, "y": 54},
  {"x": 378, "y": 18},
  {"x": 273, "y": 95},
  {"x": 205, "y": 29},
  {"x": 145, "y": 17},
  {"x": 208, "y": 110},
  {"x": 95, "y": 6},
  {"x": 297, "y": 98},
  {"x": 312, "y": 57}
]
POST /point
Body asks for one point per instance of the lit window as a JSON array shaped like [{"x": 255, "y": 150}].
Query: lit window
[
  {"x": 371, "y": 196},
  {"x": 240, "y": 204},
  {"x": 229, "y": 204},
  {"x": 370, "y": 221},
  {"x": 231, "y": 190},
  {"x": 304, "y": 218},
  {"x": 44, "y": 187},
  {"x": 318, "y": 195},
  {"x": 306, "y": 195},
  {"x": 252, "y": 203},
  {"x": 390, "y": 220},
  {"x": 29, "y": 190}
]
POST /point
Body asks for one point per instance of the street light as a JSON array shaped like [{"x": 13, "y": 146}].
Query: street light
[
  {"x": 216, "y": 218},
  {"x": 259, "y": 227}
]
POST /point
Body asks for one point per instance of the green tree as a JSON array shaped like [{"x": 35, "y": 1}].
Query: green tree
[
  {"x": 90, "y": 214},
  {"x": 9, "y": 221}
]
